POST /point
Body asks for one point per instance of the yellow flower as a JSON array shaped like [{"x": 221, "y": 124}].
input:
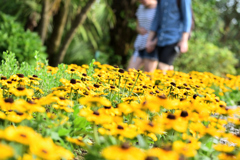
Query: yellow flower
[
  {"x": 28, "y": 157},
  {"x": 7, "y": 104},
  {"x": 94, "y": 101},
  {"x": 77, "y": 141},
  {"x": 223, "y": 148},
  {"x": 95, "y": 116},
  {"x": 120, "y": 129},
  {"x": 6, "y": 151},
  {"x": 124, "y": 152},
  {"x": 22, "y": 91},
  {"x": 183, "y": 148},
  {"x": 227, "y": 156},
  {"x": 21, "y": 134},
  {"x": 18, "y": 117},
  {"x": 46, "y": 149},
  {"x": 162, "y": 154}
]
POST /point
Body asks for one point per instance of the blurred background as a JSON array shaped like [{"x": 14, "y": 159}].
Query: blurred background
[{"x": 76, "y": 31}]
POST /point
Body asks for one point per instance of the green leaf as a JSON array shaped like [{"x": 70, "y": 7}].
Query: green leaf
[
  {"x": 55, "y": 136},
  {"x": 63, "y": 132}
]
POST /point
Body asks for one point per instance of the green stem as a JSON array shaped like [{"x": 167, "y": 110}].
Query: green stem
[
  {"x": 71, "y": 94},
  {"x": 134, "y": 85},
  {"x": 131, "y": 118},
  {"x": 119, "y": 87},
  {"x": 95, "y": 134}
]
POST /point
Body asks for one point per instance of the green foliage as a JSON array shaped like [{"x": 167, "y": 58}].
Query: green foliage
[
  {"x": 205, "y": 56},
  {"x": 14, "y": 38}
]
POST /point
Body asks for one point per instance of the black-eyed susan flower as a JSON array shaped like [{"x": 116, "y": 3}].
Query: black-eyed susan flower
[
  {"x": 123, "y": 152},
  {"x": 6, "y": 152},
  {"x": 21, "y": 134},
  {"x": 22, "y": 91},
  {"x": 95, "y": 116},
  {"x": 94, "y": 101},
  {"x": 77, "y": 141}
]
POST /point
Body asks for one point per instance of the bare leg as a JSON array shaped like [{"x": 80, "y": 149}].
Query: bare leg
[
  {"x": 149, "y": 65},
  {"x": 135, "y": 62},
  {"x": 165, "y": 67}
]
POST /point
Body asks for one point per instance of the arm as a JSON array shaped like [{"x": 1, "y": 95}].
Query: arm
[
  {"x": 141, "y": 30},
  {"x": 152, "y": 39},
  {"x": 187, "y": 20}
]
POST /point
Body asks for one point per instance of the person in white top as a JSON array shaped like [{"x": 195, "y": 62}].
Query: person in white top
[{"x": 145, "y": 15}]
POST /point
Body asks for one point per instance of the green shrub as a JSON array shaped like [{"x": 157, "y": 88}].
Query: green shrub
[
  {"x": 14, "y": 38},
  {"x": 204, "y": 56}
]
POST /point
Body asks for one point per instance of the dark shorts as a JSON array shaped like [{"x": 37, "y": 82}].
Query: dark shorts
[
  {"x": 145, "y": 55},
  {"x": 167, "y": 54}
]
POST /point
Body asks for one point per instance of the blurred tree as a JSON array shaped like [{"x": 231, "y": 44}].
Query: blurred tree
[
  {"x": 59, "y": 20},
  {"x": 123, "y": 34}
]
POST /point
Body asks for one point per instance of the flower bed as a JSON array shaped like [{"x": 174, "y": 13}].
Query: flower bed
[{"x": 103, "y": 112}]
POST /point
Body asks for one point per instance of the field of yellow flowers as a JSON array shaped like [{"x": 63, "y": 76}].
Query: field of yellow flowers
[{"x": 99, "y": 112}]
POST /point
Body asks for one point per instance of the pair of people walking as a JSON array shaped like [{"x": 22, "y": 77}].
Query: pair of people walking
[{"x": 163, "y": 28}]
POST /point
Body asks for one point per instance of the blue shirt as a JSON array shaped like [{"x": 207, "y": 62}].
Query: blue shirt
[{"x": 171, "y": 21}]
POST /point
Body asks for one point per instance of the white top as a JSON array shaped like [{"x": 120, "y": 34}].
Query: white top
[{"x": 145, "y": 17}]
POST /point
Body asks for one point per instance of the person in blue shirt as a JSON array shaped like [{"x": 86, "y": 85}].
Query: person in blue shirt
[{"x": 170, "y": 30}]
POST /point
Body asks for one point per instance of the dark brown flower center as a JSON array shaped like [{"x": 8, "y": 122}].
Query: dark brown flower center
[
  {"x": 8, "y": 100},
  {"x": 121, "y": 70},
  {"x": 73, "y": 81},
  {"x": 3, "y": 78},
  {"x": 62, "y": 98},
  {"x": 31, "y": 102},
  {"x": 35, "y": 76},
  {"x": 96, "y": 113},
  {"x": 107, "y": 107},
  {"x": 162, "y": 96},
  {"x": 125, "y": 145},
  {"x": 182, "y": 99},
  {"x": 112, "y": 87},
  {"x": 19, "y": 113},
  {"x": 173, "y": 84},
  {"x": 84, "y": 74},
  {"x": 44, "y": 151},
  {"x": 151, "y": 124},
  {"x": 145, "y": 86},
  {"x": 216, "y": 100},
  {"x": 9, "y": 82},
  {"x": 195, "y": 96},
  {"x": 23, "y": 135},
  {"x": 96, "y": 85},
  {"x": 222, "y": 106},
  {"x": 120, "y": 127},
  {"x": 184, "y": 114},
  {"x": 20, "y": 88},
  {"x": 171, "y": 116},
  {"x": 151, "y": 158},
  {"x": 72, "y": 70},
  {"x": 20, "y": 75}
]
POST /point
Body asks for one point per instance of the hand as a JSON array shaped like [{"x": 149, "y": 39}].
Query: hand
[
  {"x": 183, "y": 46},
  {"x": 150, "y": 46},
  {"x": 142, "y": 31}
]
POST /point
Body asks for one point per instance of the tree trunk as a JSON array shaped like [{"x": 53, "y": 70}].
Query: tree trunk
[
  {"x": 59, "y": 22},
  {"x": 79, "y": 19},
  {"x": 44, "y": 21},
  {"x": 122, "y": 36}
]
